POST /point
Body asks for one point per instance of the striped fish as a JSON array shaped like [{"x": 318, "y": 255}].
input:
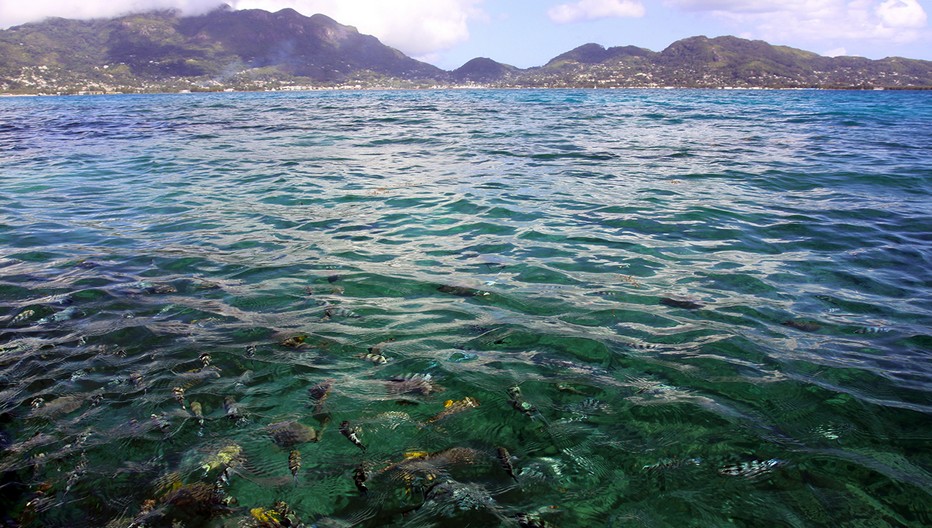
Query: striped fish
[
  {"x": 294, "y": 463},
  {"x": 751, "y": 469}
]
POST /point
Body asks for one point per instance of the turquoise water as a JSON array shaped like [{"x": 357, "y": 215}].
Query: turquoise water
[{"x": 670, "y": 308}]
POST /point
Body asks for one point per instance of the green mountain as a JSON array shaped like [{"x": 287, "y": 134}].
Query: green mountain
[
  {"x": 255, "y": 49},
  {"x": 721, "y": 62},
  {"x": 161, "y": 49}
]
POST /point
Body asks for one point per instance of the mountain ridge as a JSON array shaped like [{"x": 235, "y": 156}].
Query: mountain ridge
[{"x": 256, "y": 49}]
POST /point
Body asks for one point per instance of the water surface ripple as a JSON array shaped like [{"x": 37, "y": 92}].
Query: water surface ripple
[{"x": 578, "y": 308}]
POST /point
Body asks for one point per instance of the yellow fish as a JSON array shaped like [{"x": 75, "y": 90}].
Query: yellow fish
[{"x": 454, "y": 407}]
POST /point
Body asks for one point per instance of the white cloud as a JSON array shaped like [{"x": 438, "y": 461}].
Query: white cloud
[
  {"x": 417, "y": 27},
  {"x": 902, "y": 14},
  {"x": 15, "y": 12},
  {"x": 817, "y": 20},
  {"x": 594, "y": 9}
]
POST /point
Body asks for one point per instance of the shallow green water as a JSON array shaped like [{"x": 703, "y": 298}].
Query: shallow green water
[{"x": 714, "y": 305}]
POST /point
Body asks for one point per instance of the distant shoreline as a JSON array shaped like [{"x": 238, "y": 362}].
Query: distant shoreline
[{"x": 466, "y": 88}]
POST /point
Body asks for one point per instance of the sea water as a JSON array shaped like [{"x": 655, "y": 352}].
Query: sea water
[{"x": 669, "y": 308}]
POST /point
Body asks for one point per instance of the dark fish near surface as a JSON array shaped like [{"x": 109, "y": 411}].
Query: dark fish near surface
[
  {"x": 297, "y": 341},
  {"x": 360, "y": 476},
  {"x": 517, "y": 401},
  {"x": 671, "y": 464},
  {"x": 79, "y": 470},
  {"x": 290, "y": 433},
  {"x": 458, "y": 456},
  {"x": 161, "y": 289},
  {"x": 319, "y": 394},
  {"x": 294, "y": 463},
  {"x": 414, "y": 384},
  {"x": 680, "y": 303},
  {"x": 160, "y": 421},
  {"x": 504, "y": 457},
  {"x": 332, "y": 312},
  {"x": 460, "y": 291},
  {"x": 232, "y": 409},
  {"x": 566, "y": 387},
  {"x": 350, "y": 434},
  {"x": 526, "y": 520},
  {"x": 805, "y": 326},
  {"x": 377, "y": 348},
  {"x": 198, "y": 412}
]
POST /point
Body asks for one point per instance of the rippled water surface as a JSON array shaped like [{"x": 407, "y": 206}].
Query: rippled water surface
[{"x": 534, "y": 308}]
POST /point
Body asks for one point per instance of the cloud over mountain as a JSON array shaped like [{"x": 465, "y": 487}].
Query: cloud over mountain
[
  {"x": 15, "y": 12},
  {"x": 595, "y": 9},
  {"x": 817, "y": 20},
  {"x": 416, "y": 27}
]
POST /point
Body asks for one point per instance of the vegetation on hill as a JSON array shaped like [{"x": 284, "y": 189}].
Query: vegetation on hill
[{"x": 255, "y": 49}]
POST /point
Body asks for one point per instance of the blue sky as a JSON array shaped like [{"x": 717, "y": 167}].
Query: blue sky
[{"x": 527, "y": 33}]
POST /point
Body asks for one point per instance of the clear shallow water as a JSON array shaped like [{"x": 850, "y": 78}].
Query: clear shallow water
[{"x": 715, "y": 306}]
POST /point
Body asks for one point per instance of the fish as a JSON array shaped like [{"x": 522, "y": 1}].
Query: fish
[
  {"x": 23, "y": 316},
  {"x": 413, "y": 384},
  {"x": 671, "y": 464},
  {"x": 290, "y": 433},
  {"x": 227, "y": 456},
  {"x": 750, "y": 469},
  {"x": 297, "y": 341},
  {"x": 523, "y": 407},
  {"x": 377, "y": 348},
  {"x": 332, "y": 312},
  {"x": 805, "y": 326},
  {"x": 198, "y": 412},
  {"x": 680, "y": 303},
  {"x": 566, "y": 387},
  {"x": 321, "y": 391},
  {"x": 232, "y": 409},
  {"x": 64, "y": 315},
  {"x": 178, "y": 393},
  {"x": 360, "y": 476},
  {"x": 452, "y": 407},
  {"x": 504, "y": 457},
  {"x": 319, "y": 394},
  {"x": 294, "y": 463},
  {"x": 350, "y": 434},
  {"x": 526, "y": 520},
  {"x": 376, "y": 358},
  {"x": 160, "y": 421},
  {"x": 79, "y": 470},
  {"x": 460, "y": 291},
  {"x": 872, "y": 330},
  {"x": 161, "y": 289},
  {"x": 517, "y": 401}
]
